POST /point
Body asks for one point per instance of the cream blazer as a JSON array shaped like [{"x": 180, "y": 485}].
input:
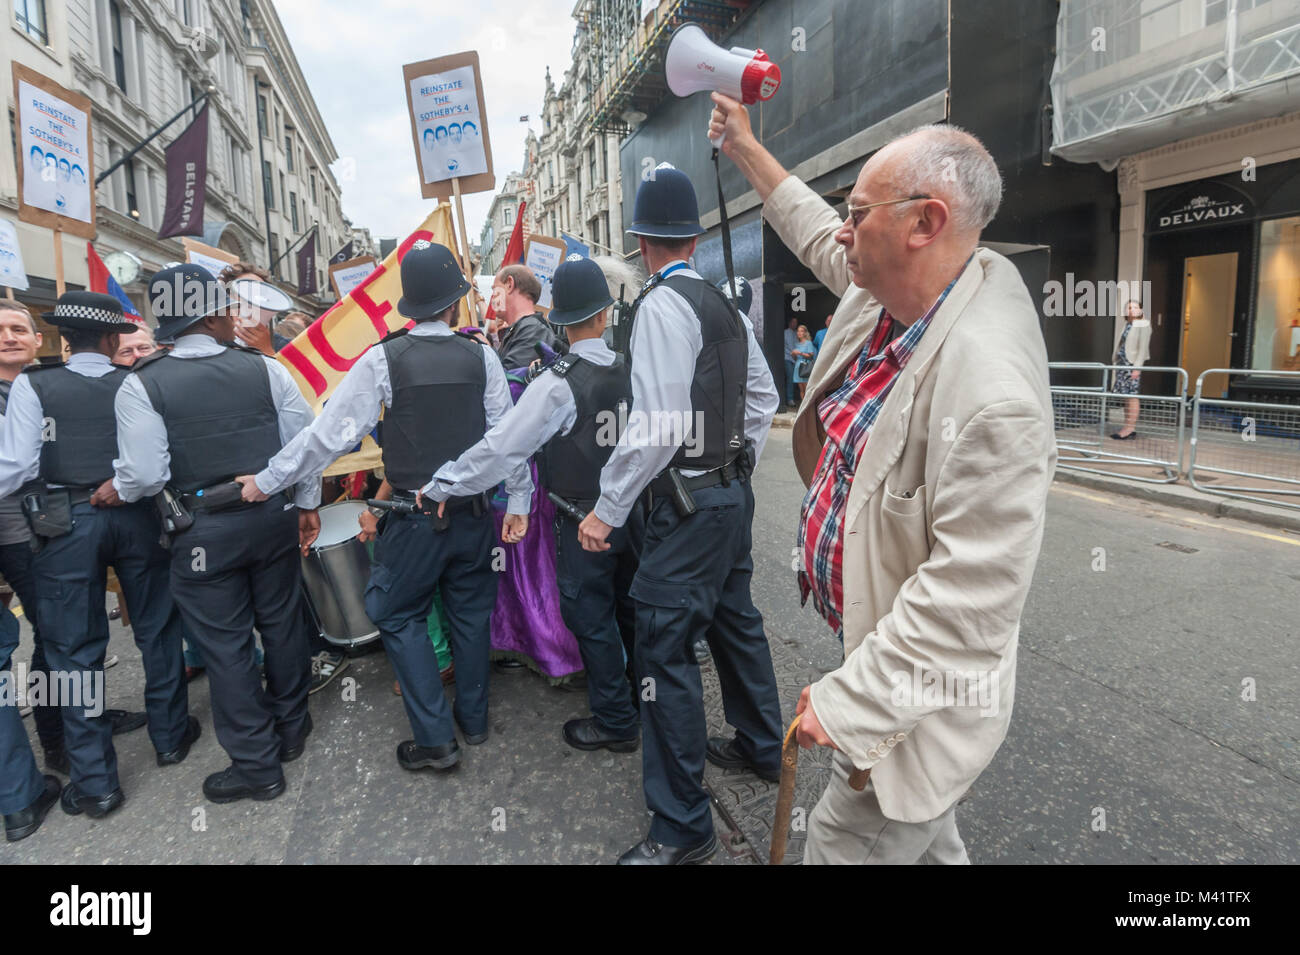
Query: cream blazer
[
  {"x": 944, "y": 521},
  {"x": 1138, "y": 347}
]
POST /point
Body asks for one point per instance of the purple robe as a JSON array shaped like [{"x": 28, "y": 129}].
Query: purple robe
[{"x": 526, "y": 621}]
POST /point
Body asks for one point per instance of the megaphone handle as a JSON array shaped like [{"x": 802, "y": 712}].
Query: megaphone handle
[{"x": 717, "y": 143}]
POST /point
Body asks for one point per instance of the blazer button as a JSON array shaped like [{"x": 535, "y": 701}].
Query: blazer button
[
  {"x": 873, "y": 754},
  {"x": 898, "y": 737}
]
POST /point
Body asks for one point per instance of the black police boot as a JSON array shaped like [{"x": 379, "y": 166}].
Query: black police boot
[
  {"x": 125, "y": 721},
  {"x": 727, "y": 754},
  {"x": 226, "y": 786},
  {"x": 192, "y": 732},
  {"x": 587, "y": 734},
  {"x": 649, "y": 852},
  {"x": 74, "y": 803},
  {"x": 291, "y": 749},
  {"x": 442, "y": 756},
  {"x": 21, "y": 824},
  {"x": 57, "y": 760}
]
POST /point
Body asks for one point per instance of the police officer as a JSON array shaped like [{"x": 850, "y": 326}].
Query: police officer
[
  {"x": 572, "y": 413},
  {"x": 25, "y": 795},
  {"x": 60, "y": 430},
  {"x": 702, "y": 401},
  {"x": 442, "y": 391},
  {"x": 191, "y": 419}
]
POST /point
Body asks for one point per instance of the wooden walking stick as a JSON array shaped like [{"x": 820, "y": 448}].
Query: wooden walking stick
[{"x": 785, "y": 791}]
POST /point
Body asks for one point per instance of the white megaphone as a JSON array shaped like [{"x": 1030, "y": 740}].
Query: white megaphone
[{"x": 694, "y": 63}]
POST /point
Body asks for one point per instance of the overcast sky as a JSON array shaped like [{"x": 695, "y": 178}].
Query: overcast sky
[{"x": 352, "y": 55}]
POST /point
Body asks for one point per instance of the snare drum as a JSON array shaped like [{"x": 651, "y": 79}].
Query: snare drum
[{"x": 335, "y": 574}]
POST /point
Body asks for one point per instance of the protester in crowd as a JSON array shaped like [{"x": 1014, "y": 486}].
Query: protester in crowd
[
  {"x": 804, "y": 353},
  {"x": 791, "y": 337},
  {"x": 936, "y": 403},
  {"x": 1132, "y": 351},
  {"x": 520, "y": 326},
  {"x": 134, "y": 345},
  {"x": 289, "y": 323},
  {"x": 253, "y": 326}
]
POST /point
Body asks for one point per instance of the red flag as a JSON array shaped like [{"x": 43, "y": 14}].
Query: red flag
[{"x": 514, "y": 253}]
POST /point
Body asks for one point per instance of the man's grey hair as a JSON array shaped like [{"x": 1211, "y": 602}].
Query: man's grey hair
[
  {"x": 946, "y": 161},
  {"x": 620, "y": 274}
]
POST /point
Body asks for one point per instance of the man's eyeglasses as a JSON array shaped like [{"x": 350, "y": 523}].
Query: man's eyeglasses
[{"x": 857, "y": 212}]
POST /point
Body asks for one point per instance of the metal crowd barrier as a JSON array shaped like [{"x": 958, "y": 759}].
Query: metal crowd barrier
[
  {"x": 1085, "y": 417},
  {"x": 1258, "y": 441}
]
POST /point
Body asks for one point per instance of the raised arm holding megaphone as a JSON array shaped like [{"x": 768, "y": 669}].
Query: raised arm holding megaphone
[{"x": 730, "y": 121}]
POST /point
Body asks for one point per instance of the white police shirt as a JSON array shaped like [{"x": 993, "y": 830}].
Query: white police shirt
[
  {"x": 545, "y": 409},
  {"x": 145, "y": 464},
  {"x": 20, "y": 445},
  {"x": 666, "y": 341},
  {"x": 353, "y": 411}
]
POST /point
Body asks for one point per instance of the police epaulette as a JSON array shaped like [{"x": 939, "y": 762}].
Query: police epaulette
[
  {"x": 149, "y": 358},
  {"x": 240, "y": 346},
  {"x": 42, "y": 366},
  {"x": 562, "y": 364},
  {"x": 391, "y": 335}
]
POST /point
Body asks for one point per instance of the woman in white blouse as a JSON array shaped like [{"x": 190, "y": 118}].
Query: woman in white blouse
[{"x": 1132, "y": 349}]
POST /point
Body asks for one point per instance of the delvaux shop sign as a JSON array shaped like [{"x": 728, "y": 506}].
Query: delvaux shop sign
[{"x": 1202, "y": 205}]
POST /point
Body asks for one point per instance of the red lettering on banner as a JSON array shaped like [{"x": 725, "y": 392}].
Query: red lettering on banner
[
  {"x": 375, "y": 311},
  {"x": 316, "y": 335},
  {"x": 304, "y": 367}
]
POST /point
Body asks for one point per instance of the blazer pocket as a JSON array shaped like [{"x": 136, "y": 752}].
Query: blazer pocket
[{"x": 904, "y": 503}]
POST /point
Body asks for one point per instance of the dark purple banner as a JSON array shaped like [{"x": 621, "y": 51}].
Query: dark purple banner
[
  {"x": 343, "y": 254},
  {"x": 187, "y": 174},
  {"x": 307, "y": 266}
]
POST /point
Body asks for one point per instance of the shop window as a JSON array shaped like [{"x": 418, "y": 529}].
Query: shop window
[{"x": 1276, "y": 341}]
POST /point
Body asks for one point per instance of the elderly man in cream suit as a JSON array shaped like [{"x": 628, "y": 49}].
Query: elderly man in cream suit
[{"x": 935, "y": 527}]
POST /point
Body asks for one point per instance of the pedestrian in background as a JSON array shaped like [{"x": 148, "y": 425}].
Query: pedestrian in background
[
  {"x": 804, "y": 354},
  {"x": 1132, "y": 351},
  {"x": 821, "y": 333},
  {"x": 791, "y": 343}
]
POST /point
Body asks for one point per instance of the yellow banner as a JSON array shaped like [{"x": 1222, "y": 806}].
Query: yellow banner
[{"x": 320, "y": 357}]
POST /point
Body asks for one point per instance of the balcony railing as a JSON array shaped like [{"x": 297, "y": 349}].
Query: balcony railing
[{"x": 1134, "y": 74}]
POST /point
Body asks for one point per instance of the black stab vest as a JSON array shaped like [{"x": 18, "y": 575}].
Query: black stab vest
[
  {"x": 721, "y": 373},
  {"x": 219, "y": 411},
  {"x": 437, "y": 413},
  {"x": 571, "y": 463},
  {"x": 79, "y": 433}
]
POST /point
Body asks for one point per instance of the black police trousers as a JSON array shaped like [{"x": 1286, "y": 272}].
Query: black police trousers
[
  {"x": 21, "y": 783},
  {"x": 71, "y": 573},
  {"x": 600, "y": 613},
  {"x": 412, "y": 560},
  {"x": 232, "y": 571},
  {"x": 693, "y": 582}
]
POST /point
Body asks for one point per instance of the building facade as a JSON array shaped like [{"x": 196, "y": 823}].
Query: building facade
[
  {"x": 141, "y": 63},
  {"x": 518, "y": 192},
  {"x": 1195, "y": 104}
]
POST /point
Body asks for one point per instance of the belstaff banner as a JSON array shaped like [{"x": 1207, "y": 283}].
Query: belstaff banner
[
  {"x": 187, "y": 178},
  {"x": 320, "y": 357}
]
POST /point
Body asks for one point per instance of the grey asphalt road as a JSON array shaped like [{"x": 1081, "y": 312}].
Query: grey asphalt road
[{"x": 1129, "y": 711}]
